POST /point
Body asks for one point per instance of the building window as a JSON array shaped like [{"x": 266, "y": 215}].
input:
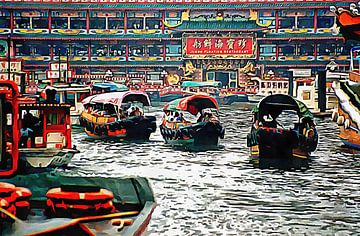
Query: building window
[
  {"x": 305, "y": 22},
  {"x": 287, "y": 50},
  {"x": 327, "y": 49},
  {"x": 68, "y": 20},
  {"x": 287, "y": 22},
  {"x": 267, "y": 50},
  {"x": 144, "y": 20},
  {"x": 31, "y": 19},
  {"x": 32, "y": 49},
  {"x": 210, "y": 76},
  {"x": 306, "y": 95},
  {"x": 4, "y": 19},
  {"x": 306, "y": 49}
]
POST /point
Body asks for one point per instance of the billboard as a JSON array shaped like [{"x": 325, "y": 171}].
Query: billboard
[{"x": 211, "y": 47}]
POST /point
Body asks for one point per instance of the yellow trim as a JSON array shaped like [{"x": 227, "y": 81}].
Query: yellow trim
[
  {"x": 184, "y": 17},
  {"x": 9, "y": 215},
  {"x": 300, "y": 156}
]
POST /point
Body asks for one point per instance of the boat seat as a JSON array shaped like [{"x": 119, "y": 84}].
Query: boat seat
[{"x": 55, "y": 140}]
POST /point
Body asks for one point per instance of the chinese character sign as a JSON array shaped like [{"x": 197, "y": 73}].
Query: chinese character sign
[{"x": 237, "y": 47}]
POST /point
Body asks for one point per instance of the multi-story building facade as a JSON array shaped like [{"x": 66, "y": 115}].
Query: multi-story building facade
[{"x": 196, "y": 39}]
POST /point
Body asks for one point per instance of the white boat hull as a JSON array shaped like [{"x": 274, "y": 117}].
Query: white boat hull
[{"x": 46, "y": 157}]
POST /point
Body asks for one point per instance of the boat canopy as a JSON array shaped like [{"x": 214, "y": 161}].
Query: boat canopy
[
  {"x": 110, "y": 86},
  {"x": 274, "y": 105},
  {"x": 193, "y": 104},
  {"x": 118, "y": 98},
  {"x": 187, "y": 84}
]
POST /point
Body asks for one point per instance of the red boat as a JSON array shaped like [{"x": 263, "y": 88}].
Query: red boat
[
  {"x": 42, "y": 203},
  {"x": 38, "y": 133}
]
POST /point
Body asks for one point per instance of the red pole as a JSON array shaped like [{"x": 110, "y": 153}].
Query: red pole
[
  {"x": 162, "y": 22},
  {"x": 164, "y": 50},
  {"x": 127, "y": 51},
  {"x": 87, "y": 21},
  {"x": 11, "y": 21},
  {"x": 315, "y": 51},
  {"x": 49, "y": 21},
  {"x": 277, "y": 52},
  {"x": 125, "y": 22},
  {"x": 315, "y": 20}
]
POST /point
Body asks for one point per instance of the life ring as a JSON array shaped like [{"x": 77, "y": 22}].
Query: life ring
[
  {"x": 334, "y": 115},
  {"x": 70, "y": 202},
  {"x": 15, "y": 200},
  {"x": 347, "y": 123},
  {"x": 340, "y": 120}
]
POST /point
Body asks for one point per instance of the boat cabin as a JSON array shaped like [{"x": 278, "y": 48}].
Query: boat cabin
[{"x": 44, "y": 125}]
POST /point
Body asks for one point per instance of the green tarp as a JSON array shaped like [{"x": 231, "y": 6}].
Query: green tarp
[
  {"x": 187, "y": 84},
  {"x": 275, "y": 104},
  {"x": 125, "y": 189}
]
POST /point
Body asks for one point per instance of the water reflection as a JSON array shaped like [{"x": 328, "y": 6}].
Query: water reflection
[{"x": 219, "y": 192}]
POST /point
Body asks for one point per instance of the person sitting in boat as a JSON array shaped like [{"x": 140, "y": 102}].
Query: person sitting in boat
[
  {"x": 135, "y": 111},
  {"x": 179, "y": 117}
]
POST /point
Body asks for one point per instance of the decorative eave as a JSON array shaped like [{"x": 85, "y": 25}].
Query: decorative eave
[
  {"x": 116, "y": 64},
  {"x": 300, "y": 38},
  {"x": 75, "y": 38},
  {"x": 171, "y": 4}
]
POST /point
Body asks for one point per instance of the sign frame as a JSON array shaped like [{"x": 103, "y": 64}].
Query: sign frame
[{"x": 186, "y": 36}]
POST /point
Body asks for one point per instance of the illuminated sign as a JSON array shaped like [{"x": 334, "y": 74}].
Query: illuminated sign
[
  {"x": 219, "y": 47},
  {"x": 15, "y": 66}
]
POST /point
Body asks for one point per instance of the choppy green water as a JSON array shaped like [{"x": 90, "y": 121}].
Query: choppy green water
[{"x": 219, "y": 192}]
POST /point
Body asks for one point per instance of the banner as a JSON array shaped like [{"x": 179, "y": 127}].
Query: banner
[{"x": 219, "y": 47}]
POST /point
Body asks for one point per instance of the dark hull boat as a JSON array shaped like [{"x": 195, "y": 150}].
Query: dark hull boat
[
  {"x": 204, "y": 132},
  {"x": 269, "y": 139},
  {"x": 200, "y": 134},
  {"x": 115, "y": 124}
]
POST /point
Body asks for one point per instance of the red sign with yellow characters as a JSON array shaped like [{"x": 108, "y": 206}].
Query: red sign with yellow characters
[{"x": 223, "y": 47}]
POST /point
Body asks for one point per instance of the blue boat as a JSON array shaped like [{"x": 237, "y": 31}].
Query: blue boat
[{"x": 213, "y": 89}]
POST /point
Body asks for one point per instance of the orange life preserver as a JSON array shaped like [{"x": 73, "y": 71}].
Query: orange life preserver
[
  {"x": 61, "y": 203},
  {"x": 15, "y": 200}
]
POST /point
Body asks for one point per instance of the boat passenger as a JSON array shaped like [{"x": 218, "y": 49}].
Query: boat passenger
[
  {"x": 27, "y": 133},
  {"x": 180, "y": 118}
]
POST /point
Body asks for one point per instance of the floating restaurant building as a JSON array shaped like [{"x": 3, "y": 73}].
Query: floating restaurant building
[{"x": 158, "y": 40}]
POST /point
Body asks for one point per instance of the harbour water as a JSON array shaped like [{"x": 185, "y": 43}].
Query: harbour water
[{"x": 219, "y": 192}]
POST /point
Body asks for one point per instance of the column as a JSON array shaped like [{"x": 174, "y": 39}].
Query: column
[
  {"x": 87, "y": 21},
  {"x": 164, "y": 51},
  {"x": 125, "y": 22},
  {"x": 127, "y": 51},
  {"x": 276, "y": 21},
  {"x": 89, "y": 51},
  {"x": 51, "y": 52},
  {"x": 49, "y": 21},
  {"x": 315, "y": 51},
  {"x": 162, "y": 22},
  {"x": 11, "y": 20},
  {"x": 315, "y": 19},
  {"x": 277, "y": 52}
]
